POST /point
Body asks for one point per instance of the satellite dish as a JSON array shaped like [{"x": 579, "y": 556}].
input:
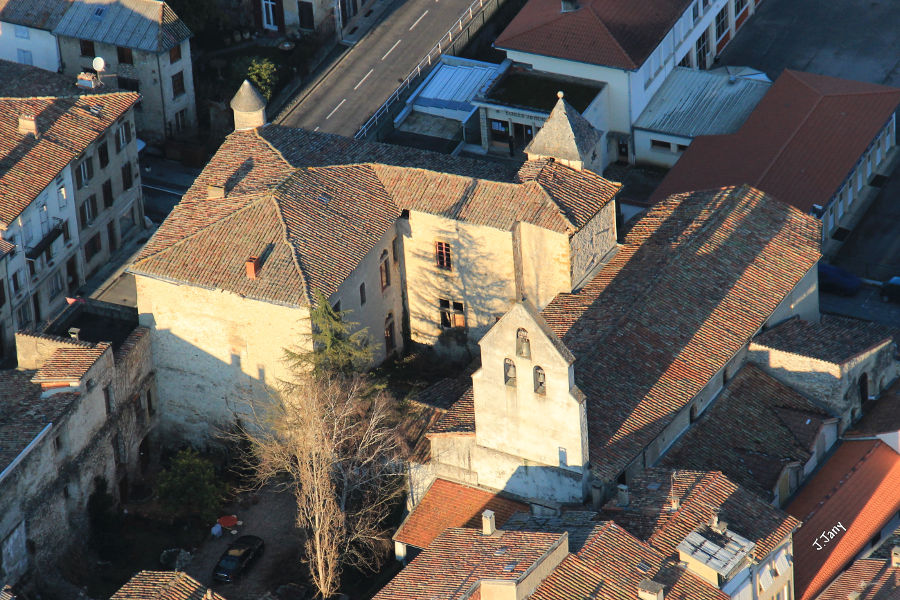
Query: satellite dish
[{"x": 98, "y": 64}]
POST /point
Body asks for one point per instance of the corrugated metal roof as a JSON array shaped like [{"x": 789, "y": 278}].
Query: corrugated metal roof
[
  {"x": 40, "y": 14},
  {"x": 455, "y": 82},
  {"x": 691, "y": 103},
  {"x": 147, "y": 25}
]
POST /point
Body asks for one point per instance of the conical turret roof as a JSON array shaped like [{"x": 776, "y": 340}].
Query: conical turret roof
[
  {"x": 566, "y": 135},
  {"x": 248, "y": 99}
]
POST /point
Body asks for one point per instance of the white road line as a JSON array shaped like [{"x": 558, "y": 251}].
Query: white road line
[
  {"x": 391, "y": 50},
  {"x": 316, "y": 129},
  {"x": 417, "y": 20},
  {"x": 363, "y": 79},
  {"x": 334, "y": 110}
]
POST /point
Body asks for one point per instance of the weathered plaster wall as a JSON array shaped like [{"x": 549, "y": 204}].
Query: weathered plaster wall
[
  {"x": 213, "y": 351},
  {"x": 545, "y": 261},
  {"x": 590, "y": 244}
]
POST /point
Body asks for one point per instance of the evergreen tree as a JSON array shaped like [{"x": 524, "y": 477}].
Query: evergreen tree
[{"x": 336, "y": 349}]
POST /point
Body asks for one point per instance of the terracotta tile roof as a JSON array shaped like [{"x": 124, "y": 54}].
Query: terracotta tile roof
[
  {"x": 872, "y": 579},
  {"x": 696, "y": 278},
  {"x": 614, "y": 33},
  {"x": 39, "y": 14},
  {"x": 327, "y": 217},
  {"x": 6, "y": 247},
  {"x": 857, "y": 488},
  {"x": 444, "y": 393},
  {"x": 756, "y": 428},
  {"x": 460, "y": 418},
  {"x": 612, "y": 564},
  {"x": 579, "y": 524},
  {"x": 458, "y": 559},
  {"x": 799, "y": 144},
  {"x": 449, "y": 504},
  {"x": 70, "y": 364},
  {"x": 835, "y": 339},
  {"x": 565, "y": 135},
  {"x": 25, "y": 81},
  {"x": 24, "y": 413},
  {"x": 67, "y": 127},
  {"x": 414, "y": 427},
  {"x": 649, "y": 518},
  {"x": 164, "y": 585}
]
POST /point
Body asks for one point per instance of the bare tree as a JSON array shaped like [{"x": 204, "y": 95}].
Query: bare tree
[{"x": 331, "y": 436}]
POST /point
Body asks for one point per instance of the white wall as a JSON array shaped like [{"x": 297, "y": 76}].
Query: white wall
[
  {"x": 41, "y": 44},
  {"x": 646, "y": 153}
]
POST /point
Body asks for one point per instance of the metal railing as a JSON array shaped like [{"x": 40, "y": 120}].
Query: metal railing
[{"x": 424, "y": 65}]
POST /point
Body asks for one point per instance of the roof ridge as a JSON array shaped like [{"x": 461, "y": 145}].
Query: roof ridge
[
  {"x": 549, "y": 200},
  {"x": 284, "y": 236},
  {"x": 612, "y": 37}
]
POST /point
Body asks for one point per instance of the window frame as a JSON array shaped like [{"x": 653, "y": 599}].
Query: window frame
[
  {"x": 178, "y": 89},
  {"x": 87, "y": 45},
  {"x": 123, "y": 52},
  {"x": 442, "y": 256},
  {"x": 175, "y": 53}
]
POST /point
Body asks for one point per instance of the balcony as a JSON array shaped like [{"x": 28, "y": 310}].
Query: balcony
[{"x": 55, "y": 231}]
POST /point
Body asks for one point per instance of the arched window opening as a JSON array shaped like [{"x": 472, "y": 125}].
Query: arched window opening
[
  {"x": 540, "y": 381},
  {"x": 509, "y": 372},
  {"x": 523, "y": 346}
]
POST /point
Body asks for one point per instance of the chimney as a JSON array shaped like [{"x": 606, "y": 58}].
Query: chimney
[
  {"x": 75, "y": 333},
  {"x": 717, "y": 525},
  {"x": 622, "y": 495},
  {"x": 854, "y": 596},
  {"x": 253, "y": 265},
  {"x": 215, "y": 191},
  {"x": 207, "y": 595},
  {"x": 488, "y": 525},
  {"x": 895, "y": 556},
  {"x": 650, "y": 590},
  {"x": 28, "y": 125}
]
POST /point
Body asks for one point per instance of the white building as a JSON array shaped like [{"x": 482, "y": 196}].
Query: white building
[
  {"x": 631, "y": 45},
  {"x": 26, "y": 31}
]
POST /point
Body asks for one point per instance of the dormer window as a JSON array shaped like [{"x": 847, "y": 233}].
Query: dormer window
[
  {"x": 509, "y": 372},
  {"x": 523, "y": 346},
  {"x": 540, "y": 381}
]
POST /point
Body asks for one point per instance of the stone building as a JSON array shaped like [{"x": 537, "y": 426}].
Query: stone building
[
  {"x": 413, "y": 245},
  {"x": 81, "y": 405},
  {"x": 843, "y": 364},
  {"x": 596, "y": 386},
  {"x": 722, "y": 533},
  {"x": 146, "y": 48},
  {"x": 69, "y": 190}
]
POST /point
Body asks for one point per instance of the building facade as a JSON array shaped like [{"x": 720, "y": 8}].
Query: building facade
[
  {"x": 148, "y": 51},
  {"x": 26, "y": 32}
]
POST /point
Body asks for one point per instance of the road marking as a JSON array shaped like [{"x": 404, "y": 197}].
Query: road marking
[
  {"x": 334, "y": 110},
  {"x": 316, "y": 129},
  {"x": 417, "y": 20},
  {"x": 391, "y": 50},
  {"x": 363, "y": 79}
]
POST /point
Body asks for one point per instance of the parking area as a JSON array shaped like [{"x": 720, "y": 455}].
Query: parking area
[
  {"x": 273, "y": 518},
  {"x": 865, "y": 305},
  {"x": 854, "y": 39}
]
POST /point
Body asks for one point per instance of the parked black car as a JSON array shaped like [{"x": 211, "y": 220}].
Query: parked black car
[
  {"x": 890, "y": 290},
  {"x": 836, "y": 280},
  {"x": 241, "y": 552}
]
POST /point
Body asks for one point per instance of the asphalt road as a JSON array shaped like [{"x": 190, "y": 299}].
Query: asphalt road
[
  {"x": 370, "y": 71},
  {"x": 866, "y": 305}
]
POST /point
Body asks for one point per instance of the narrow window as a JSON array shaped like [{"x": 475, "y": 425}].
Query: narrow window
[
  {"x": 126, "y": 176},
  {"x": 459, "y": 315},
  {"x": 385, "y": 274},
  {"x": 175, "y": 54},
  {"x": 523, "y": 346},
  {"x": 151, "y": 410},
  {"x": 87, "y": 48},
  {"x": 509, "y": 372},
  {"x": 57, "y": 443},
  {"x": 108, "y": 400},
  {"x": 124, "y": 55},
  {"x": 108, "y": 200},
  {"x": 540, "y": 381},
  {"x": 362, "y": 294},
  {"x": 395, "y": 248},
  {"x": 103, "y": 153},
  {"x": 178, "y": 84},
  {"x": 389, "y": 341},
  {"x": 442, "y": 255}
]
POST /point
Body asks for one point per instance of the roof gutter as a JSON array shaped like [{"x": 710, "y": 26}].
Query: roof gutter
[{"x": 25, "y": 452}]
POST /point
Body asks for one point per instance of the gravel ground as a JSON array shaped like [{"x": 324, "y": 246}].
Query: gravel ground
[{"x": 273, "y": 519}]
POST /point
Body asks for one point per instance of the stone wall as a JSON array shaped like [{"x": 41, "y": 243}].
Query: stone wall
[
  {"x": 214, "y": 352},
  {"x": 593, "y": 242}
]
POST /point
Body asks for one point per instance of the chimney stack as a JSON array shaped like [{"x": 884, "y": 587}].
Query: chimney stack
[
  {"x": 28, "y": 125},
  {"x": 488, "y": 525},
  {"x": 208, "y": 594},
  {"x": 253, "y": 265},
  {"x": 622, "y": 495},
  {"x": 895, "y": 556},
  {"x": 716, "y": 524},
  {"x": 650, "y": 590},
  {"x": 75, "y": 333},
  {"x": 215, "y": 191}
]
